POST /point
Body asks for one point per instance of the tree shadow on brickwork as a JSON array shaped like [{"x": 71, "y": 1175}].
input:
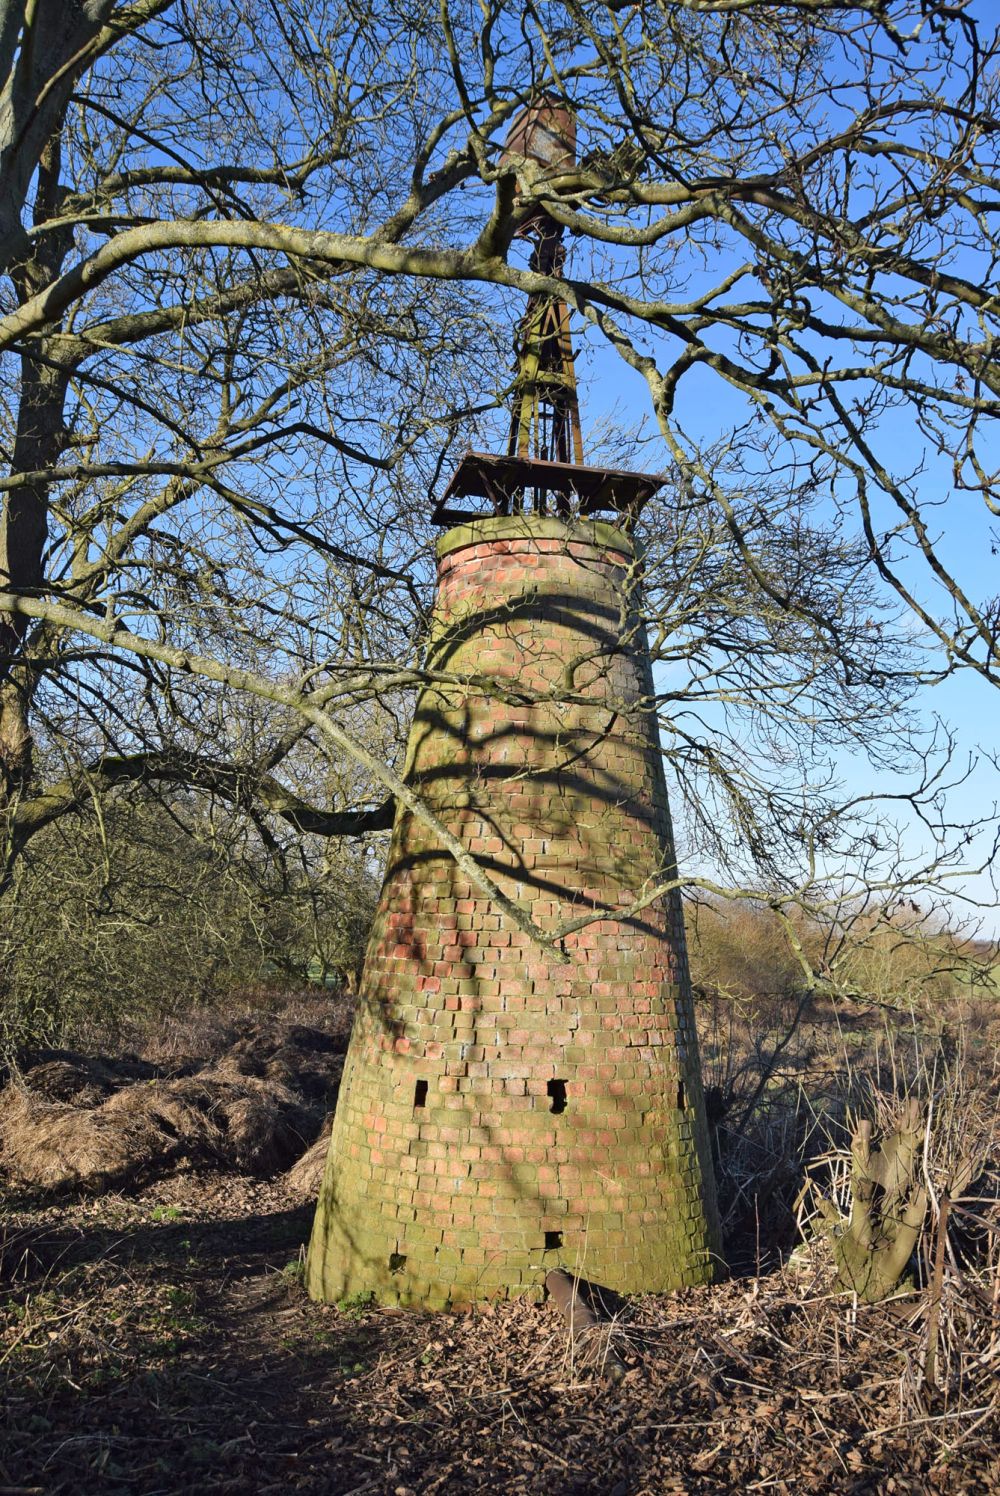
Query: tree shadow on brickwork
[
  {"x": 487, "y": 757},
  {"x": 585, "y": 617},
  {"x": 558, "y": 773},
  {"x": 569, "y": 769},
  {"x": 539, "y": 883},
  {"x": 519, "y": 1170}
]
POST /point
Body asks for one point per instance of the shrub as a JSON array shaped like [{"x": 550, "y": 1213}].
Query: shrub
[{"x": 144, "y": 909}]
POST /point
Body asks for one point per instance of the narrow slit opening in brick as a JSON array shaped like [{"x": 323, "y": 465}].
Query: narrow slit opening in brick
[
  {"x": 553, "y": 1241},
  {"x": 397, "y": 1262},
  {"x": 680, "y": 1095},
  {"x": 557, "y": 1091},
  {"x": 420, "y": 1094}
]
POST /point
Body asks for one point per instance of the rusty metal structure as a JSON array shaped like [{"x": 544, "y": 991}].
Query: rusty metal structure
[
  {"x": 545, "y": 414},
  {"x": 543, "y": 470}
]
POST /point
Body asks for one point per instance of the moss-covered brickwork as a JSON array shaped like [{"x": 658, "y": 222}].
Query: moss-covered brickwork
[{"x": 503, "y": 1112}]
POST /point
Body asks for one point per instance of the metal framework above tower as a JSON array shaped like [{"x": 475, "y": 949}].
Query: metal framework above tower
[{"x": 543, "y": 470}]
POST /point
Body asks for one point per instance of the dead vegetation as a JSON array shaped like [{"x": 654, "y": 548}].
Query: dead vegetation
[
  {"x": 256, "y": 1106},
  {"x": 157, "y": 1339},
  {"x": 253, "y": 1127},
  {"x": 163, "y": 1344},
  {"x": 306, "y": 1176}
]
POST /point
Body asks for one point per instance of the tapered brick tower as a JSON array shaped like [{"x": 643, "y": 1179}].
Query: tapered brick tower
[{"x": 505, "y": 1110}]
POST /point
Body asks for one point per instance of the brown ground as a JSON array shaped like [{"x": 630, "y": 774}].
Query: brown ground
[{"x": 159, "y": 1341}]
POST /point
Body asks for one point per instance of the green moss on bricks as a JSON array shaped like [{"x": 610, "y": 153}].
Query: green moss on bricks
[
  {"x": 530, "y": 528},
  {"x": 552, "y": 777}
]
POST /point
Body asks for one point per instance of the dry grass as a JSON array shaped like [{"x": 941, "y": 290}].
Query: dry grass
[
  {"x": 203, "y": 1032},
  {"x": 305, "y": 1177},
  {"x": 784, "y": 1078},
  {"x": 160, "y": 1341},
  {"x": 252, "y": 1126},
  {"x": 894, "y": 953},
  {"x": 52, "y": 1145},
  {"x": 792, "y": 1089}
]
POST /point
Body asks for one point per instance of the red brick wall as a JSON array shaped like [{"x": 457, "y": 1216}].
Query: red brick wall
[{"x": 504, "y": 1112}]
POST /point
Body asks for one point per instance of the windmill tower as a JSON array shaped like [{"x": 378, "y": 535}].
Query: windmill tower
[{"x": 504, "y": 1111}]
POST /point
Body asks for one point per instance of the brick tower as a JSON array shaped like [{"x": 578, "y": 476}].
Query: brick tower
[{"x": 506, "y": 1109}]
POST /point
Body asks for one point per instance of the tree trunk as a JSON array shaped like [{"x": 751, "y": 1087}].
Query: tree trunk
[{"x": 38, "y": 443}]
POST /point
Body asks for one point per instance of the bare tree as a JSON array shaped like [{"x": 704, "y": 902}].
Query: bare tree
[
  {"x": 261, "y": 267},
  {"x": 219, "y": 440}
]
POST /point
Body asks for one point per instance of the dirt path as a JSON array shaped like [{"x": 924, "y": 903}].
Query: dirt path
[{"x": 162, "y": 1344}]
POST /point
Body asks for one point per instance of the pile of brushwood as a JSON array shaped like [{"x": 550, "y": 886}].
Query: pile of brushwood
[{"x": 256, "y": 1106}]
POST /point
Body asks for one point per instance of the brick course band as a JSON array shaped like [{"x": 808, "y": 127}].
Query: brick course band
[{"x": 504, "y": 1112}]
